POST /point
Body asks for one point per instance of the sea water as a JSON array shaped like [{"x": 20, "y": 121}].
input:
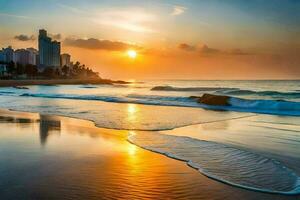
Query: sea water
[{"x": 155, "y": 106}]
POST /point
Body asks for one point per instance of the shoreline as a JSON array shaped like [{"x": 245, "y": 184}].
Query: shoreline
[
  {"x": 122, "y": 158},
  {"x": 15, "y": 83}
]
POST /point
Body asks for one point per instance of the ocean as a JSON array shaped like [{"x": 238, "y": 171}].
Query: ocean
[{"x": 251, "y": 143}]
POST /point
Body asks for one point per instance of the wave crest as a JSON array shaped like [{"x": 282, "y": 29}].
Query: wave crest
[
  {"x": 263, "y": 93},
  {"x": 188, "y": 89}
]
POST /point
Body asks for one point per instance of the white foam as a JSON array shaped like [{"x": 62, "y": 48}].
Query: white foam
[{"x": 224, "y": 163}]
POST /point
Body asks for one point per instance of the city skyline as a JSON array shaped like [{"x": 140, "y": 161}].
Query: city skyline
[
  {"x": 173, "y": 39},
  {"x": 48, "y": 54}
]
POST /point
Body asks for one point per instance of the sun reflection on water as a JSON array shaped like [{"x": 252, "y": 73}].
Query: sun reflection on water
[{"x": 132, "y": 114}]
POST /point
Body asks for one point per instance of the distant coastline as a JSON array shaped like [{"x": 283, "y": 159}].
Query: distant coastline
[{"x": 15, "y": 83}]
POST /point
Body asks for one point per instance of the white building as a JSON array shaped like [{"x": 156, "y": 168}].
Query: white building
[
  {"x": 65, "y": 60},
  {"x": 33, "y": 54}
]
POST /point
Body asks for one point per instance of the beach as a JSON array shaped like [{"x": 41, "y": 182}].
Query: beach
[
  {"x": 111, "y": 141},
  {"x": 50, "y": 157},
  {"x": 149, "y": 100}
]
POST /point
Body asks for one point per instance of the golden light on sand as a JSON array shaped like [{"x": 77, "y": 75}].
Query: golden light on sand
[
  {"x": 131, "y": 54},
  {"x": 131, "y": 109},
  {"x": 132, "y": 150}
]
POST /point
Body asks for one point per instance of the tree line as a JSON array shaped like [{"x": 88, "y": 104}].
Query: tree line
[{"x": 17, "y": 70}]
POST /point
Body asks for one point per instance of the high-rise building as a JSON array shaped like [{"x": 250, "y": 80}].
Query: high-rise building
[
  {"x": 32, "y": 56},
  {"x": 49, "y": 51},
  {"x": 7, "y": 54},
  {"x": 56, "y": 54},
  {"x": 22, "y": 57},
  {"x": 65, "y": 60},
  {"x": 2, "y": 56}
]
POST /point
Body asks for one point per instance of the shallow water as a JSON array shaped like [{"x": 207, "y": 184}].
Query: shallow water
[
  {"x": 224, "y": 163},
  {"x": 45, "y": 157},
  {"x": 258, "y": 137}
]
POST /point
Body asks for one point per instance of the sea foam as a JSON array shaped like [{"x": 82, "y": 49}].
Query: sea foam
[{"x": 224, "y": 163}]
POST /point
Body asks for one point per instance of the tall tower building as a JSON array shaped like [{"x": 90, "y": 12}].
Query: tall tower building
[
  {"x": 55, "y": 47},
  {"x": 49, "y": 51}
]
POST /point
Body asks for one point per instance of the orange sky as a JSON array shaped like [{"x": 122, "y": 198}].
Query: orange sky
[{"x": 182, "y": 39}]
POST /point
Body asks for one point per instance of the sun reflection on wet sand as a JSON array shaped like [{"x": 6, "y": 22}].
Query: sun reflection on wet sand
[
  {"x": 132, "y": 114},
  {"x": 132, "y": 109}
]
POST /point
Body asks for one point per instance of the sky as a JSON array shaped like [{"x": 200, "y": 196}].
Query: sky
[{"x": 174, "y": 39}]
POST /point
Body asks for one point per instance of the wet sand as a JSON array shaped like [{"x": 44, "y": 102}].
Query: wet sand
[{"x": 49, "y": 157}]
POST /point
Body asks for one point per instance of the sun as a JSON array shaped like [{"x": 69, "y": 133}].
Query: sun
[{"x": 131, "y": 54}]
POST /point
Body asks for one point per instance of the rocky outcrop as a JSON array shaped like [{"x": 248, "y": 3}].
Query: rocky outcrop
[{"x": 211, "y": 99}]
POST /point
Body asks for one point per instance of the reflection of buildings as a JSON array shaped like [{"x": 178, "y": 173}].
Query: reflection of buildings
[
  {"x": 16, "y": 120},
  {"x": 48, "y": 125}
]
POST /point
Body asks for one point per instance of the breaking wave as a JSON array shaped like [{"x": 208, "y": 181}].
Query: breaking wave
[
  {"x": 277, "y": 107},
  {"x": 230, "y": 91},
  {"x": 189, "y": 89},
  {"x": 263, "y": 93}
]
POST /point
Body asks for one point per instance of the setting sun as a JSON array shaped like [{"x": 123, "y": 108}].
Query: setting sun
[{"x": 131, "y": 54}]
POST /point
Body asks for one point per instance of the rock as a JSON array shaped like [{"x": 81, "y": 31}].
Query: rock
[
  {"x": 211, "y": 99},
  {"x": 164, "y": 88}
]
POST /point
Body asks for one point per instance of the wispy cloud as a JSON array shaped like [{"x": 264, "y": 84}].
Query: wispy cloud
[
  {"x": 186, "y": 47},
  {"x": 56, "y": 36},
  {"x": 130, "y": 19},
  {"x": 205, "y": 50},
  {"x": 178, "y": 10},
  {"x": 73, "y": 9},
  {"x": 135, "y": 20},
  {"x": 92, "y": 43},
  {"x": 14, "y": 16}
]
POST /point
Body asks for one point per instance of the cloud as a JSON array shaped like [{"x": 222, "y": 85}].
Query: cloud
[
  {"x": 130, "y": 19},
  {"x": 55, "y": 36},
  {"x": 178, "y": 10},
  {"x": 136, "y": 20},
  {"x": 14, "y": 16},
  {"x": 238, "y": 52},
  {"x": 186, "y": 47},
  {"x": 205, "y": 50},
  {"x": 72, "y": 9},
  {"x": 93, "y": 43},
  {"x": 23, "y": 37}
]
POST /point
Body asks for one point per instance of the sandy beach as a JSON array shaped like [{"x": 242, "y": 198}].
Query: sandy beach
[{"x": 50, "y": 157}]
